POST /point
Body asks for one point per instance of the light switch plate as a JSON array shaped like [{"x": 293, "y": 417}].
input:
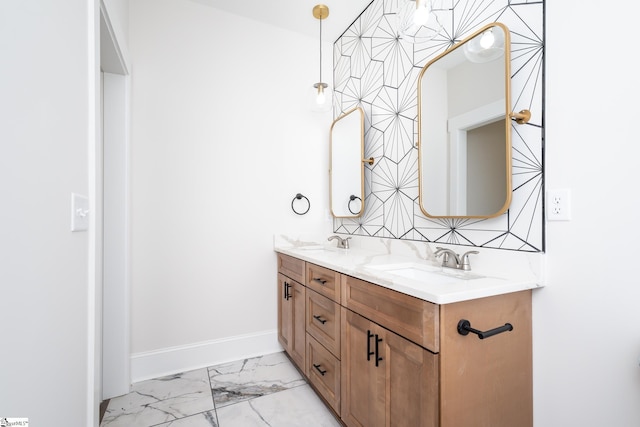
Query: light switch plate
[{"x": 79, "y": 212}]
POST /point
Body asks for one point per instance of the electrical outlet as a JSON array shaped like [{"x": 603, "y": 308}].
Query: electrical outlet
[{"x": 559, "y": 205}]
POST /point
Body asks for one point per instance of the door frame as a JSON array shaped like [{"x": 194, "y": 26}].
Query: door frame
[{"x": 113, "y": 245}]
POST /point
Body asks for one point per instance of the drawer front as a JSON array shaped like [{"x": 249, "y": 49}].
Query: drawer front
[
  {"x": 324, "y": 281},
  {"x": 323, "y": 321},
  {"x": 291, "y": 267},
  {"x": 323, "y": 370},
  {"x": 407, "y": 316}
]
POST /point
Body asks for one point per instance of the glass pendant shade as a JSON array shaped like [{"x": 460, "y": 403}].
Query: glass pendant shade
[
  {"x": 418, "y": 20},
  {"x": 320, "y": 98},
  {"x": 485, "y": 47}
]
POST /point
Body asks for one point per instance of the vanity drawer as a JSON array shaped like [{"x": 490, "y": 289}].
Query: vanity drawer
[
  {"x": 323, "y": 371},
  {"x": 324, "y": 281},
  {"x": 412, "y": 318},
  {"x": 323, "y": 321},
  {"x": 291, "y": 267}
]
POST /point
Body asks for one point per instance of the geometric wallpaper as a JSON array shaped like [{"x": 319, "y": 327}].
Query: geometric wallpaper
[{"x": 376, "y": 70}]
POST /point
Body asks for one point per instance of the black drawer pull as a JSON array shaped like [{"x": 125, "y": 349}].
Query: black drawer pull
[
  {"x": 319, "y": 370},
  {"x": 369, "y": 352},
  {"x": 321, "y": 281},
  {"x": 320, "y": 319},
  {"x": 378, "y": 341},
  {"x": 464, "y": 327},
  {"x": 287, "y": 295}
]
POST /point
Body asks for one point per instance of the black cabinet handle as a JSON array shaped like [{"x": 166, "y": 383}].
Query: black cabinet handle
[
  {"x": 319, "y": 370},
  {"x": 320, "y": 319},
  {"x": 287, "y": 295},
  {"x": 378, "y": 341},
  {"x": 369, "y": 352},
  {"x": 464, "y": 327},
  {"x": 321, "y": 281}
]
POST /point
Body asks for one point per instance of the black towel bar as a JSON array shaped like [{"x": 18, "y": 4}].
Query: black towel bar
[{"x": 464, "y": 327}]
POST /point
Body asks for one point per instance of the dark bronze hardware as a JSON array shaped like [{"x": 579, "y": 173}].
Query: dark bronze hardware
[
  {"x": 320, "y": 319},
  {"x": 287, "y": 295},
  {"x": 378, "y": 341},
  {"x": 319, "y": 370},
  {"x": 321, "y": 281},
  {"x": 369, "y": 352},
  {"x": 300, "y": 197},
  {"x": 464, "y": 327}
]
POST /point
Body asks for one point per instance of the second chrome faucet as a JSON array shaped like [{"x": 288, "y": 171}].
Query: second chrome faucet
[
  {"x": 451, "y": 259},
  {"x": 342, "y": 243}
]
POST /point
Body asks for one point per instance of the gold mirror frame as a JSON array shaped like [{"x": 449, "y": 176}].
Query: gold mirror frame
[
  {"x": 346, "y": 164},
  {"x": 504, "y": 116}
]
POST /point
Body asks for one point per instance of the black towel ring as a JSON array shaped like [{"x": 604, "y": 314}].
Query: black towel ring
[
  {"x": 298, "y": 197},
  {"x": 351, "y": 199}
]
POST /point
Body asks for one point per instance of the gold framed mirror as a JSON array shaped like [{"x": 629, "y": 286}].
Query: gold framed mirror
[
  {"x": 346, "y": 169},
  {"x": 464, "y": 128}
]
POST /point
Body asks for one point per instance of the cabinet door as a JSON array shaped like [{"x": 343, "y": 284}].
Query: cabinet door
[
  {"x": 298, "y": 348},
  {"x": 291, "y": 319},
  {"x": 285, "y": 313},
  {"x": 411, "y": 382},
  {"x": 386, "y": 379},
  {"x": 362, "y": 390}
]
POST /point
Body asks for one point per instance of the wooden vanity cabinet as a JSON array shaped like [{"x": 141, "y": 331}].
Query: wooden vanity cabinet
[
  {"x": 291, "y": 308},
  {"x": 383, "y": 358}
]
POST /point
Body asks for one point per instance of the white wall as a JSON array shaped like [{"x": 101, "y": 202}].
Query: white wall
[
  {"x": 47, "y": 103},
  {"x": 587, "y": 321},
  {"x": 119, "y": 14},
  {"x": 221, "y": 143}
]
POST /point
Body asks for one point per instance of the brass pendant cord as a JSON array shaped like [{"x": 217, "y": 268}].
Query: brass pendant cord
[{"x": 320, "y": 47}]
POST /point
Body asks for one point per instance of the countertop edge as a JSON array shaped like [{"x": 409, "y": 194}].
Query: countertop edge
[{"x": 351, "y": 261}]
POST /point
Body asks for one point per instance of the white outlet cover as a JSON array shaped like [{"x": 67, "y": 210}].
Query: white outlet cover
[
  {"x": 79, "y": 212},
  {"x": 558, "y": 205}
]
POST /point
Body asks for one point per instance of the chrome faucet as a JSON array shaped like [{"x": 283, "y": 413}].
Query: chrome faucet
[
  {"x": 342, "y": 243},
  {"x": 451, "y": 259},
  {"x": 465, "y": 265}
]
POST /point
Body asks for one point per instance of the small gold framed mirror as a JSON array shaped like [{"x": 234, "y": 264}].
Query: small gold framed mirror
[{"x": 464, "y": 128}]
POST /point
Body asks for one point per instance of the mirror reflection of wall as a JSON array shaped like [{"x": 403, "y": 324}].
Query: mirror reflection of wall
[
  {"x": 464, "y": 129},
  {"x": 347, "y": 168}
]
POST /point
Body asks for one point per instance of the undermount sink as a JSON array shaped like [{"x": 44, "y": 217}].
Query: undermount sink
[{"x": 425, "y": 273}]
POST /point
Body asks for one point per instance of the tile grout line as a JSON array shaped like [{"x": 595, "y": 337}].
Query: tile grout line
[{"x": 213, "y": 400}]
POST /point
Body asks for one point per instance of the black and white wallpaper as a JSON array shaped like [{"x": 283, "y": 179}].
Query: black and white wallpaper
[{"x": 378, "y": 71}]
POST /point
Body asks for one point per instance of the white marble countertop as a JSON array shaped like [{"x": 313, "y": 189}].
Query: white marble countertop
[{"x": 439, "y": 285}]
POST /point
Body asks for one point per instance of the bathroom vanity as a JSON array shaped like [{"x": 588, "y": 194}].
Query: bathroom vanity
[{"x": 387, "y": 343}]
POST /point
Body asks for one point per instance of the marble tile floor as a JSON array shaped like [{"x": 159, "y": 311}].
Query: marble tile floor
[{"x": 261, "y": 391}]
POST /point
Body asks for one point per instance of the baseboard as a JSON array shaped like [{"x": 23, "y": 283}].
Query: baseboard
[{"x": 168, "y": 361}]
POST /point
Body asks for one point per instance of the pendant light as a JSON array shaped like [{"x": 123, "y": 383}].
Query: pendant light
[
  {"x": 321, "y": 99},
  {"x": 418, "y": 20}
]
